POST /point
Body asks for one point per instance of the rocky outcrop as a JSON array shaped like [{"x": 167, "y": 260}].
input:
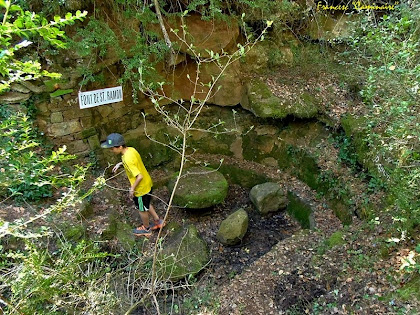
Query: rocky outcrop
[
  {"x": 200, "y": 187},
  {"x": 204, "y": 35},
  {"x": 327, "y": 27},
  {"x": 184, "y": 253},
  {"x": 261, "y": 101},
  {"x": 233, "y": 228},
  {"x": 268, "y": 197},
  {"x": 228, "y": 91}
]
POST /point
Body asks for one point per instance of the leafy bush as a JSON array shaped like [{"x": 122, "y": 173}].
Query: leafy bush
[
  {"x": 386, "y": 53},
  {"x": 27, "y": 170},
  {"x": 14, "y": 65},
  {"x": 72, "y": 278}
]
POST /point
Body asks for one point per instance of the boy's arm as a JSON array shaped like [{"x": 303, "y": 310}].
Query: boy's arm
[
  {"x": 135, "y": 184},
  {"x": 116, "y": 167}
]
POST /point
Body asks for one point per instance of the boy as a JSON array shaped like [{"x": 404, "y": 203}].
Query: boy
[{"x": 140, "y": 180}]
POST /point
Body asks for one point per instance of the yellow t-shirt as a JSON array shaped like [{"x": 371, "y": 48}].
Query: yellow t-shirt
[{"x": 134, "y": 166}]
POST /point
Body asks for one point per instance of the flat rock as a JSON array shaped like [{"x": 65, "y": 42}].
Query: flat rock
[
  {"x": 184, "y": 253},
  {"x": 233, "y": 228},
  {"x": 200, "y": 187},
  {"x": 268, "y": 197}
]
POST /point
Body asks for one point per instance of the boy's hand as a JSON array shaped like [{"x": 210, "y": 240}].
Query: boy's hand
[
  {"x": 116, "y": 167},
  {"x": 131, "y": 193}
]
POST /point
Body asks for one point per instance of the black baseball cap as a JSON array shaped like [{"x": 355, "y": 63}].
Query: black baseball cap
[{"x": 113, "y": 140}]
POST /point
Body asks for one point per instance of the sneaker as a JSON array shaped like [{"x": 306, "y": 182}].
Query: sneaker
[
  {"x": 142, "y": 231},
  {"x": 157, "y": 224}
]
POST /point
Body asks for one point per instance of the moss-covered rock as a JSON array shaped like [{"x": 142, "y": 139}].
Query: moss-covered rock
[
  {"x": 300, "y": 210},
  {"x": 152, "y": 153},
  {"x": 184, "y": 253},
  {"x": 261, "y": 101},
  {"x": 341, "y": 209},
  {"x": 356, "y": 128},
  {"x": 74, "y": 232},
  {"x": 119, "y": 230},
  {"x": 233, "y": 228},
  {"x": 244, "y": 177},
  {"x": 336, "y": 239},
  {"x": 268, "y": 197},
  {"x": 199, "y": 187}
]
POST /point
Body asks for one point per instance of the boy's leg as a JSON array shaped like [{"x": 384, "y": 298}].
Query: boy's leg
[
  {"x": 145, "y": 218},
  {"x": 153, "y": 212},
  {"x": 145, "y": 229},
  {"x": 157, "y": 224}
]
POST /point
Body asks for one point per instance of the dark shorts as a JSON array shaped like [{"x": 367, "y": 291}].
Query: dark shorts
[{"x": 143, "y": 202}]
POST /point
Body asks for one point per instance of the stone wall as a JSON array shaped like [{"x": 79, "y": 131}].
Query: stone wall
[{"x": 81, "y": 130}]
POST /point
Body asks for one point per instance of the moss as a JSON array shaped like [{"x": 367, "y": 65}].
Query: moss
[
  {"x": 341, "y": 210},
  {"x": 184, "y": 253},
  {"x": 86, "y": 210},
  {"x": 263, "y": 103},
  {"x": 153, "y": 154},
  {"x": 304, "y": 166},
  {"x": 202, "y": 188},
  {"x": 337, "y": 238},
  {"x": 219, "y": 144},
  {"x": 74, "y": 233},
  {"x": 299, "y": 210},
  {"x": 356, "y": 129},
  {"x": 307, "y": 107},
  {"x": 244, "y": 177},
  {"x": 86, "y": 133},
  {"x": 119, "y": 230},
  {"x": 256, "y": 148},
  {"x": 411, "y": 289}
]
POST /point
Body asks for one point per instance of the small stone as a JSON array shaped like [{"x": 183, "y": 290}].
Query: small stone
[{"x": 56, "y": 117}]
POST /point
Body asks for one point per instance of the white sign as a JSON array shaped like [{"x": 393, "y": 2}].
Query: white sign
[{"x": 100, "y": 97}]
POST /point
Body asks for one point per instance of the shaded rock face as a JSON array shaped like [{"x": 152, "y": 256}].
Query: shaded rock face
[
  {"x": 300, "y": 210},
  {"x": 327, "y": 27},
  {"x": 268, "y": 197},
  {"x": 184, "y": 253},
  {"x": 200, "y": 187},
  {"x": 233, "y": 228},
  {"x": 204, "y": 35},
  {"x": 263, "y": 103},
  {"x": 181, "y": 83}
]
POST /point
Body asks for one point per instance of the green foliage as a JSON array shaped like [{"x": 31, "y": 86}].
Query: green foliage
[
  {"x": 18, "y": 24},
  {"x": 331, "y": 185},
  {"x": 337, "y": 238},
  {"x": 97, "y": 41},
  {"x": 386, "y": 53},
  {"x": 196, "y": 301},
  {"x": 72, "y": 278},
  {"x": 26, "y": 170},
  {"x": 347, "y": 153},
  {"x": 255, "y": 9}
]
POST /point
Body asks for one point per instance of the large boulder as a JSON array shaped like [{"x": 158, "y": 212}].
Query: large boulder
[
  {"x": 119, "y": 230},
  {"x": 184, "y": 253},
  {"x": 228, "y": 90},
  {"x": 199, "y": 187},
  {"x": 204, "y": 35},
  {"x": 266, "y": 55},
  {"x": 233, "y": 228},
  {"x": 268, "y": 197},
  {"x": 261, "y": 101}
]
